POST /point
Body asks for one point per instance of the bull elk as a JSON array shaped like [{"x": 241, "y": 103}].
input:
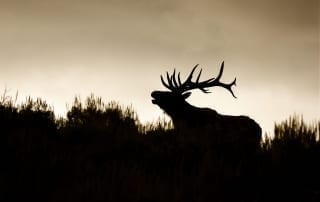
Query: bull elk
[{"x": 224, "y": 129}]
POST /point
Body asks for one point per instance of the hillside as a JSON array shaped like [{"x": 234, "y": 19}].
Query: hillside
[{"x": 100, "y": 152}]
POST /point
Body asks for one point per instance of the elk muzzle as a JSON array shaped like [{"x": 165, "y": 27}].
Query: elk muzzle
[{"x": 156, "y": 96}]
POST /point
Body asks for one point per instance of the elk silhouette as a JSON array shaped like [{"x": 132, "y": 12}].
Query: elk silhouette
[{"x": 224, "y": 129}]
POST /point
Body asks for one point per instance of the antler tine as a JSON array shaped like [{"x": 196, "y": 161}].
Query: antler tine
[
  {"x": 220, "y": 72},
  {"x": 204, "y": 90},
  {"x": 170, "y": 81},
  {"x": 197, "y": 81},
  {"x": 178, "y": 86},
  {"x": 233, "y": 83},
  {"x": 217, "y": 79},
  {"x": 164, "y": 83},
  {"x": 179, "y": 80},
  {"x": 228, "y": 86},
  {"x": 174, "y": 78},
  {"x": 191, "y": 74},
  {"x": 216, "y": 82}
]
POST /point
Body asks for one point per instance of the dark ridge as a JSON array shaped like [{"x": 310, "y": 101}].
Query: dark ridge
[{"x": 100, "y": 152}]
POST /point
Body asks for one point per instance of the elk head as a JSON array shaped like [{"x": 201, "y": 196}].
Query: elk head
[{"x": 173, "y": 101}]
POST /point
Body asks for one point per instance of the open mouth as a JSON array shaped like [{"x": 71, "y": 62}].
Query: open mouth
[{"x": 154, "y": 96}]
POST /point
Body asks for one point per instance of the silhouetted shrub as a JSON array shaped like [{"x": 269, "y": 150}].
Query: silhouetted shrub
[{"x": 294, "y": 163}]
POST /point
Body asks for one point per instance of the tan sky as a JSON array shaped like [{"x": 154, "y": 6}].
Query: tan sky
[{"x": 116, "y": 49}]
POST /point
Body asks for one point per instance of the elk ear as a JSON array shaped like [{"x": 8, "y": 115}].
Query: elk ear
[{"x": 186, "y": 95}]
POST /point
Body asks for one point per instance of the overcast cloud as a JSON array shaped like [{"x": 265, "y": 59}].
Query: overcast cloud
[{"x": 117, "y": 49}]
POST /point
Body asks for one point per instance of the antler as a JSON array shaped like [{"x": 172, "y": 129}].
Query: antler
[{"x": 175, "y": 85}]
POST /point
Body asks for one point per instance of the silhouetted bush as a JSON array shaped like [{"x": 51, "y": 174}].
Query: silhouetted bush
[
  {"x": 101, "y": 152},
  {"x": 294, "y": 162}
]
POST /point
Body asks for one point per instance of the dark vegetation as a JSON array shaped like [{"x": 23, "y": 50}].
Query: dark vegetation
[{"x": 100, "y": 152}]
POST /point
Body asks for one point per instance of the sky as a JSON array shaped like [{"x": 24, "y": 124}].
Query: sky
[{"x": 117, "y": 49}]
